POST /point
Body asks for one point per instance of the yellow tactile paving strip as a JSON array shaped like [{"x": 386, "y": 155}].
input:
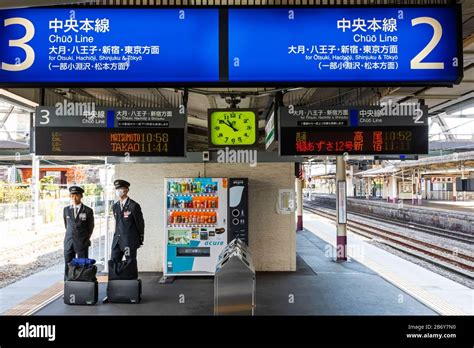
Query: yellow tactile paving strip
[{"x": 40, "y": 300}]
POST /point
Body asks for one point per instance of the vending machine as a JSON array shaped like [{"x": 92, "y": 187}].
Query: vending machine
[
  {"x": 195, "y": 225},
  {"x": 202, "y": 216},
  {"x": 238, "y": 210}
]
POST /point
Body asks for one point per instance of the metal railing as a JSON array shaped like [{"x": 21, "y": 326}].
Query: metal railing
[
  {"x": 101, "y": 239},
  {"x": 49, "y": 209}
]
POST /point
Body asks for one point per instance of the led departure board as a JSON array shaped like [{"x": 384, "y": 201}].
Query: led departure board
[
  {"x": 394, "y": 130},
  {"x": 85, "y": 130},
  {"x": 110, "y": 142},
  {"x": 403, "y": 140}
]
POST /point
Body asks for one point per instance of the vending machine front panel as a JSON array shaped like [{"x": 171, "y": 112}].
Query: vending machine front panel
[
  {"x": 195, "y": 225},
  {"x": 238, "y": 210}
]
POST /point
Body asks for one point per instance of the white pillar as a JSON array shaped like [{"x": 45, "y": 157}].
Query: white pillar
[
  {"x": 35, "y": 188},
  {"x": 341, "y": 207},
  {"x": 394, "y": 193},
  {"x": 107, "y": 224},
  {"x": 299, "y": 204}
]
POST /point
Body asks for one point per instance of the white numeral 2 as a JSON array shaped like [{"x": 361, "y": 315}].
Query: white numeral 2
[{"x": 416, "y": 63}]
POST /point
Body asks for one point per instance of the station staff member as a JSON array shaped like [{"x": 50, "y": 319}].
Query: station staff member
[
  {"x": 129, "y": 224},
  {"x": 79, "y": 223}
]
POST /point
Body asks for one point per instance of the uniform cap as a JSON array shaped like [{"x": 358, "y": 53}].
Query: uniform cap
[
  {"x": 121, "y": 183},
  {"x": 75, "y": 189}
]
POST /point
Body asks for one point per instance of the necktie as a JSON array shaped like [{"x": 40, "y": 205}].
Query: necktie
[{"x": 76, "y": 210}]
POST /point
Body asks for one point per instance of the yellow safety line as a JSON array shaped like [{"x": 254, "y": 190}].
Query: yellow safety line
[
  {"x": 42, "y": 299},
  {"x": 432, "y": 301},
  {"x": 38, "y": 301}
]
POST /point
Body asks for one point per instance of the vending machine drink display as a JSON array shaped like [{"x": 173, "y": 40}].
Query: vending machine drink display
[{"x": 195, "y": 225}]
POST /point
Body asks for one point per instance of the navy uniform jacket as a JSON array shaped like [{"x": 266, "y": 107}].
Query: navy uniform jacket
[
  {"x": 78, "y": 230},
  {"x": 129, "y": 225}
]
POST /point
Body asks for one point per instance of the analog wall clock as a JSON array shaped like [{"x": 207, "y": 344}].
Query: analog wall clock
[{"x": 233, "y": 128}]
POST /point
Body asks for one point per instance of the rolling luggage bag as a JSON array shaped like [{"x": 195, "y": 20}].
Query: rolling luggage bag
[
  {"x": 124, "y": 291},
  {"x": 80, "y": 293}
]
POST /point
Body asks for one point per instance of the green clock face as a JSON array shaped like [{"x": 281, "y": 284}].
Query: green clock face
[{"x": 233, "y": 128}]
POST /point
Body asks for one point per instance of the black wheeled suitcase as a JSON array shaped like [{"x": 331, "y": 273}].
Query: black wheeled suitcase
[
  {"x": 124, "y": 291},
  {"x": 80, "y": 293}
]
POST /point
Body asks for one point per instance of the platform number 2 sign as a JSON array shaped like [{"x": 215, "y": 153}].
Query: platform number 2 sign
[
  {"x": 21, "y": 43},
  {"x": 416, "y": 63}
]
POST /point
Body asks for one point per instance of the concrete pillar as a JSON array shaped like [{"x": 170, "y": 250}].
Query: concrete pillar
[
  {"x": 455, "y": 193},
  {"x": 368, "y": 182},
  {"x": 394, "y": 193},
  {"x": 428, "y": 188},
  {"x": 299, "y": 204},
  {"x": 341, "y": 207}
]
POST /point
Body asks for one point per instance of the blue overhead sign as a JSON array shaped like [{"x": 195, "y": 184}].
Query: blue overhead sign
[
  {"x": 151, "y": 46},
  {"x": 346, "y": 45},
  {"x": 105, "y": 45}
]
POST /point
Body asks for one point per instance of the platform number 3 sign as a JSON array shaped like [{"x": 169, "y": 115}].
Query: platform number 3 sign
[{"x": 21, "y": 43}]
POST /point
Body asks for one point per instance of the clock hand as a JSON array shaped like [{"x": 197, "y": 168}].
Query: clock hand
[{"x": 231, "y": 126}]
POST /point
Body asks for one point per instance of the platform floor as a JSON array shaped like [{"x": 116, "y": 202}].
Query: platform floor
[
  {"x": 444, "y": 295},
  {"x": 457, "y": 206},
  {"x": 320, "y": 286}
]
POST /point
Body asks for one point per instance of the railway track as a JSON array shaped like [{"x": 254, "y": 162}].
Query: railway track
[
  {"x": 454, "y": 235},
  {"x": 459, "y": 263}
]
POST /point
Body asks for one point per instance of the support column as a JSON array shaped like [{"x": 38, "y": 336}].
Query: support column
[
  {"x": 341, "y": 207},
  {"x": 107, "y": 217},
  {"x": 35, "y": 165},
  {"x": 455, "y": 193},
  {"x": 427, "y": 188},
  {"x": 299, "y": 204},
  {"x": 394, "y": 192}
]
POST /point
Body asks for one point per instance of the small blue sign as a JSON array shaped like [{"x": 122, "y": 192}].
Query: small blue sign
[
  {"x": 345, "y": 45},
  {"x": 104, "y": 45}
]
